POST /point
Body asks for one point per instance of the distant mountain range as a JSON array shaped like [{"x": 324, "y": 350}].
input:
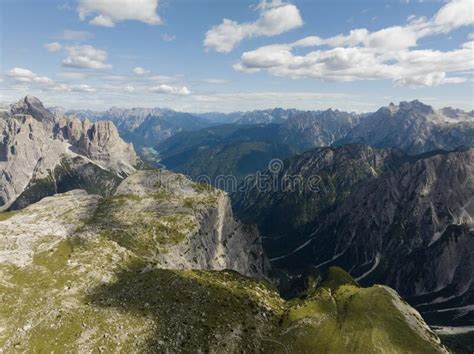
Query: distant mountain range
[
  {"x": 144, "y": 127},
  {"x": 415, "y": 128},
  {"x": 238, "y": 149},
  {"x": 241, "y": 149}
]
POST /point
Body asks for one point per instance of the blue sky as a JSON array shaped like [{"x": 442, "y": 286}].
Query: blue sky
[{"x": 183, "y": 55}]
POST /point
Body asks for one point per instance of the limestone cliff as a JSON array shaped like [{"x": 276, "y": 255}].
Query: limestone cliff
[{"x": 34, "y": 145}]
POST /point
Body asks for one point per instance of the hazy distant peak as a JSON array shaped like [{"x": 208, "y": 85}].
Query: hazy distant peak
[{"x": 415, "y": 105}]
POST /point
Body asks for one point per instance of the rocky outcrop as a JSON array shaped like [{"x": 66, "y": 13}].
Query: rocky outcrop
[
  {"x": 100, "y": 142},
  {"x": 34, "y": 143},
  {"x": 411, "y": 229},
  {"x": 205, "y": 233},
  {"x": 32, "y": 106},
  {"x": 160, "y": 216}
]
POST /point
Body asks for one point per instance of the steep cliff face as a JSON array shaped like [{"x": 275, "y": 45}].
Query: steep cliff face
[
  {"x": 35, "y": 146},
  {"x": 136, "y": 272},
  {"x": 203, "y": 233},
  {"x": 27, "y": 152},
  {"x": 100, "y": 142}
]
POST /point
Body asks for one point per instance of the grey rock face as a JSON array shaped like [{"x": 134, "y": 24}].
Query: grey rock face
[
  {"x": 100, "y": 142},
  {"x": 276, "y": 115},
  {"x": 33, "y": 144},
  {"x": 34, "y": 107}
]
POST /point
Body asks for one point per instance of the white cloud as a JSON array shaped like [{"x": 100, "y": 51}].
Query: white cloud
[
  {"x": 275, "y": 18},
  {"x": 454, "y": 14},
  {"x": 171, "y": 90},
  {"x": 21, "y": 74},
  {"x": 102, "y": 21},
  {"x": 53, "y": 47},
  {"x": 363, "y": 55},
  {"x": 82, "y": 88},
  {"x": 86, "y": 57},
  {"x": 168, "y": 37},
  {"x": 129, "y": 89},
  {"x": 107, "y": 13},
  {"x": 28, "y": 78},
  {"x": 140, "y": 71}
]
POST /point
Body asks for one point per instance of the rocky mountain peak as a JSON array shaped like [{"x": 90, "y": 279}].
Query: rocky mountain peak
[
  {"x": 32, "y": 106},
  {"x": 416, "y": 105},
  {"x": 36, "y": 146},
  {"x": 100, "y": 141}
]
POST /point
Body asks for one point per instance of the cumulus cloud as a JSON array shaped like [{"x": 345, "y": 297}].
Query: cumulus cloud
[
  {"x": 22, "y": 75},
  {"x": 171, "y": 90},
  {"x": 140, "y": 71},
  {"x": 454, "y": 14},
  {"x": 53, "y": 47},
  {"x": 363, "y": 55},
  {"x": 86, "y": 57},
  {"x": 107, "y": 13},
  {"x": 275, "y": 18},
  {"x": 28, "y": 78}
]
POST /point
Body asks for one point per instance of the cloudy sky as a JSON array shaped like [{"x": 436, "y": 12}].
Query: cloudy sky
[{"x": 215, "y": 55}]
